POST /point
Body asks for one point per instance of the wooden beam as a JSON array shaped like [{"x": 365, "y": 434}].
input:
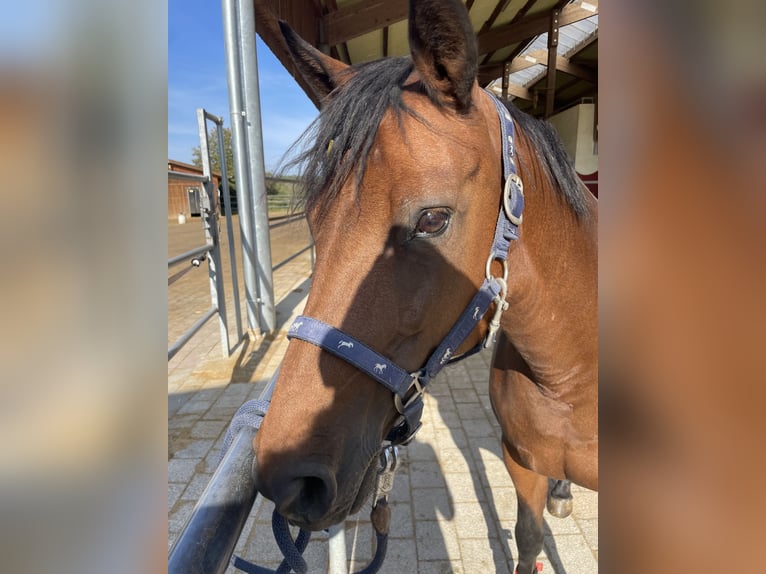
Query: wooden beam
[
  {"x": 342, "y": 47},
  {"x": 360, "y": 18},
  {"x": 541, "y": 57},
  {"x": 499, "y": 7},
  {"x": 519, "y": 92},
  {"x": 526, "y": 28},
  {"x": 516, "y": 17},
  {"x": 267, "y": 27}
]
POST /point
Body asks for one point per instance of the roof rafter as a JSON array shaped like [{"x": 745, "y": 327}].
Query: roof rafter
[
  {"x": 361, "y": 18},
  {"x": 511, "y": 33},
  {"x": 541, "y": 57}
]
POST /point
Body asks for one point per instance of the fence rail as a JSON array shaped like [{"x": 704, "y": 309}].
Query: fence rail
[{"x": 209, "y": 536}]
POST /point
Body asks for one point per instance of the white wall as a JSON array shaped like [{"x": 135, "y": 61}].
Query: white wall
[{"x": 575, "y": 127}]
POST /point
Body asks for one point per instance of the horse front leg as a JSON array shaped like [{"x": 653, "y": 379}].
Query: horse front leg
[{"x": 531, "y": 495}]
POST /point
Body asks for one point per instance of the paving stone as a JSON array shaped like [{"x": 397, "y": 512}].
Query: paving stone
[
  {"x": 401, "y": 489},
  {"x": 401, "y": 521},
  {"x": 195, "y": 406},
  {"x": 585, "y": 504},
  {"x": 183, "y": 421},
  {"x": 471, "y": 411},
  {"x": 196, "y": 486},
  {"x": 464, "y": 487},
  {"x": 209, "y": 429},
  {"x": 475, "y": 428},
  {"x": 424, "y": 475},
  {"x": 473, "y": 520},
  {"x": 455, "y": 460},
  {"x": 196, "y": 449},
  {"x": 174, "y": 493},
  {"x": 431, "y": 503},
  {"x": 418, "y": 451},
  {"x": 359, "y": 542},
  {"x": 178, "y": 517},
  {"x": 589, "y": 529},
  {"x": 441, "y": 567},
  {"x": 401, "y": 557},
  {"x": 570, "y": 553},
  {"x": 181, "y": 469},
  {"x": 484, "y": 555},
  {"x": 437, "y": 540},
  {"x": 465, "y": 396},
  {"x": 454, "y": 437},
  {"x": 558, "y": 526}
]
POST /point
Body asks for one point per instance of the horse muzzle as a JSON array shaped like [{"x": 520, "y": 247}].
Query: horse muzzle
[{"x": 305, "y": 492}]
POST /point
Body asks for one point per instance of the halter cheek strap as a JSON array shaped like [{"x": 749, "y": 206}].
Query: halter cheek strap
[{"x": 408, "y": 387}]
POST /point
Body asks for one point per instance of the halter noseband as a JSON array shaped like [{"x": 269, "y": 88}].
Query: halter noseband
[{"x": 400, "y": 382}]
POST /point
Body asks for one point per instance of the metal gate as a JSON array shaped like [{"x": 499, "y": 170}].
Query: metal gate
[{"x": 208, "y": 208}]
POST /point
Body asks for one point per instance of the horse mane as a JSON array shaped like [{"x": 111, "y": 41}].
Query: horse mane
[
  {"x": 555, "y": 159},
  {"x": 337, "y": 144}
]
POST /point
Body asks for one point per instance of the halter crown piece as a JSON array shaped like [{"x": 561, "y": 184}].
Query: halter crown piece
[{"x": 408, "y": 388}]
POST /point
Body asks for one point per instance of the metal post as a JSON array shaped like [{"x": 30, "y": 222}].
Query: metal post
[
  {"x": 553, "y": 43},
  {"x": 210, "y": 222},
  {"x": 337, "y": 561},
  {"x": 230, "y": 232},
  {"x": 239, "y": 148},
  {"x": 254, "y": 135},
  {"x": 506, "y": 79}
]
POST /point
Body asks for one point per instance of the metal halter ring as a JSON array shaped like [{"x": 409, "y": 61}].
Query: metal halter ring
[{"x": 488, "y": 270}]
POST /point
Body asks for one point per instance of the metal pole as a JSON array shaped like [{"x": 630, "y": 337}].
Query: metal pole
[
  {"x": 553, "y": 42},
  {"x": 337, "y": 550},
  {"x": 209, "y": 537},
  {"x": 254, "y": 134},
  {"x": 239, "y": 148},
  {"x": 207, "y": 540},
  {"x": 210, "y": 223},
  {"x": 229, "y": 230}
]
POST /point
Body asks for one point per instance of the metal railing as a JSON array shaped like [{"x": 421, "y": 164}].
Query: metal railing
[{"x": 209, "y": 536}]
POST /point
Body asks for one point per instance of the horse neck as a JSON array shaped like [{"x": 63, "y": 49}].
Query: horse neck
[{"x": 553, "y": 282}]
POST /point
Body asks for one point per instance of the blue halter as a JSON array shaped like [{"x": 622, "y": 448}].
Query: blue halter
[{"x": 408, "y": 388}]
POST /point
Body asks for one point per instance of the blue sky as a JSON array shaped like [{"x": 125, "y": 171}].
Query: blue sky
[{"x": 197, "y": 78}]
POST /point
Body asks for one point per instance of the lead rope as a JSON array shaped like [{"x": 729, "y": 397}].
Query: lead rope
[{"x": 251, "y": 414}]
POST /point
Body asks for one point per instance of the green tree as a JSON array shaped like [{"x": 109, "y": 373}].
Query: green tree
[{"x": 215, "y": 158}]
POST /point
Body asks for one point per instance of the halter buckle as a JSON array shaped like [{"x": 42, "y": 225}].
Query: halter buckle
[{"x": 513, "y": 181}]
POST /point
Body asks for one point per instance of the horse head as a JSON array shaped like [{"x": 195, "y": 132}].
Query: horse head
[{"x": 403, "y": 179}]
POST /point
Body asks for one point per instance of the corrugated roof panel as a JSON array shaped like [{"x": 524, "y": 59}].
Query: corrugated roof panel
[{"x": 571, "y": 37}]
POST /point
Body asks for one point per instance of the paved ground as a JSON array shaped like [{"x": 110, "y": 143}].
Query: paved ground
[{"x": 453, "y": 504}]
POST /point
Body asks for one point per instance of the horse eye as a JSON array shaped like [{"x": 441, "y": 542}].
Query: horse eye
[{"x": 432, "y": 222}]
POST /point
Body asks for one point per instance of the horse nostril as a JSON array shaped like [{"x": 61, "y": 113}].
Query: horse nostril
[{"x": 305, "y": 497}]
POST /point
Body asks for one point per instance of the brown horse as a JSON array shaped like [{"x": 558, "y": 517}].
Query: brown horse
[{"x": 404, "y": 181}]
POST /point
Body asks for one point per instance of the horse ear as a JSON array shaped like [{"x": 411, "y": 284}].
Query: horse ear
[
  {"x": 443, "y": 47},
  {"x": 322, "y": 72}
]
